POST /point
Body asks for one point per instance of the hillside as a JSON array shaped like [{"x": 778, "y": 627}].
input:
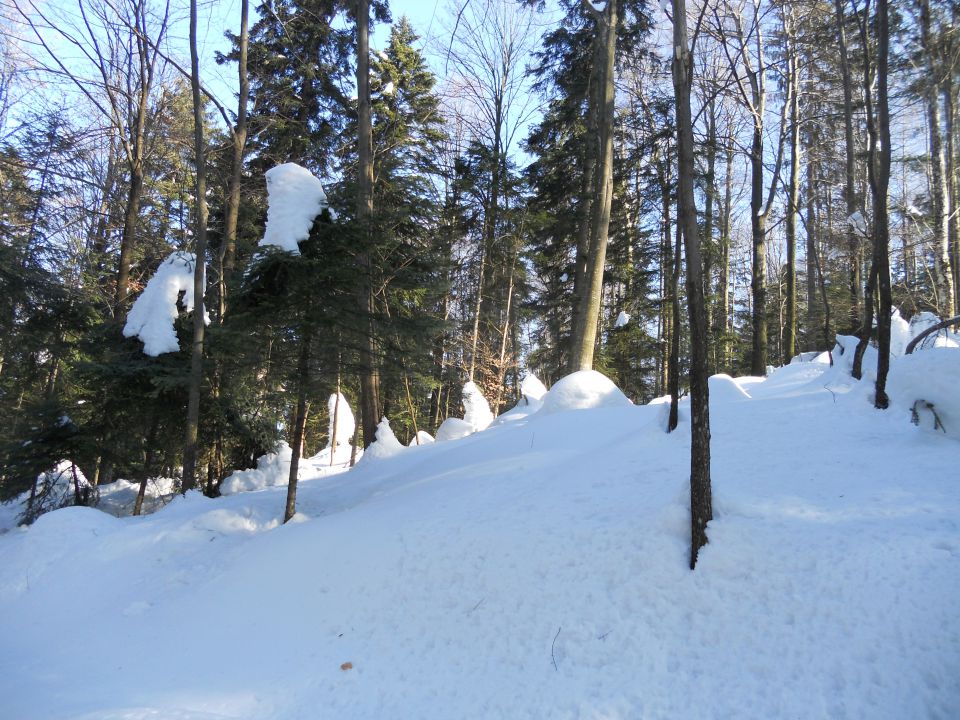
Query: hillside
[{"x": 537, "y": 569}]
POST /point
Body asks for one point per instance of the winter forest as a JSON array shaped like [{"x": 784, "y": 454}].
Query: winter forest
[{"x": 251, "y": 251}]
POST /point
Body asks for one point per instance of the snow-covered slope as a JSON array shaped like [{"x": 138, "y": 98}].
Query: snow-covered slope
[{"x": 537, "y": 569}]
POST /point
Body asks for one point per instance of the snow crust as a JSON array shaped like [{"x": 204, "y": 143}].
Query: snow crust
[
  {"x": 537, "y": 570},
  {"x": 295, "y": 197},
  {"x": 154, "y": 312},
  {"x": 583, "y": 390}
]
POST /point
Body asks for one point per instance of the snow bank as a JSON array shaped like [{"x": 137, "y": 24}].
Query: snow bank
[
  {"x": 272, "y": 469},
  {"x": 531, "y": 388},
  {"x": 724, "y": 388},
  {"x": 453, "y": 429},
  {"x": 386, "y": 445},
  {"x": 153, "y": 313},
  {"x": 932, "y": 376},
  {"x": 421, "y": 438},
  {"x": 476, "y": 410},
  {"x": 581, "y": 390},
  {"x": 295, "y": 198},
  {"x": 346, "y": 425}
]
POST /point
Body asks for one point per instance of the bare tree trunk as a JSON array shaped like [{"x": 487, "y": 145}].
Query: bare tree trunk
[
  {"x": 943, "y": 274},
  {"x": 701, "y": 504},
  {"x": 199, "y": 270},
  {"x": 584, "y": 339},
  {"x": 793, "y": 200},
  {"x": 676, "y": 325},
  {"x": 231, "y": 212},
  {"x": 299, "y": 426}
]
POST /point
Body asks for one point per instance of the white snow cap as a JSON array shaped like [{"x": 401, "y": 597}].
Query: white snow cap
[
  {"x": 389, "y": 88},
  {"x": 532, "y": 388},
  {"x": 421, "y": 438},
  {"x": 476, "y": 410},
  {"x": 453, "y": 429},
  {"x": 386, "y": 444},
  {"x": 622, "y": 319},
  {"x": 581, "y": 390},
  {"x": 152, "y": 316},
  {"x": 724, "y": 388},
  {"x": 295, "y": 197},
  {"x": 346, "y": 425}
]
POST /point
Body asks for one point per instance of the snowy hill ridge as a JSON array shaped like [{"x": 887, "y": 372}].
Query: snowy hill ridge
[{"x": 536, "y": 569}]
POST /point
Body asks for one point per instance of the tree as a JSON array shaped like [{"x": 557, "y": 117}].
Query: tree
[{"x": 701, "y": 505}]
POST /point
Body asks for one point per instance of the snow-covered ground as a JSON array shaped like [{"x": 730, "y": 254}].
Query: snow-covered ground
[{"x": 536, "y": 569}]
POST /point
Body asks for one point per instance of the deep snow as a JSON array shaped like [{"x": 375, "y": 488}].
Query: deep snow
[{"x": 536, "y": 569}]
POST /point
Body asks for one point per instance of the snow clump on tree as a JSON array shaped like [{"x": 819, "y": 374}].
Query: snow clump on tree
[
  {"x": 153, "y": 314},
  {"x": 386, "y": 445},
  {"x": 582, "y": 390},
  {"x": 295, "y": 198},
  {"x": 476, "y": 410},
  {"x": 339, "y": 408}
]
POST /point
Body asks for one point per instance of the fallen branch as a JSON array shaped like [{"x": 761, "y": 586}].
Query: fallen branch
[
  {"x": 915, "y": 416},
  {"x": 552, "y": 646},
  {"x": 911, "y": 346}
]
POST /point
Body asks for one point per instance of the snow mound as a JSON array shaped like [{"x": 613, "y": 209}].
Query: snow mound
[
  {"x": 582, "y": 390},
  {"x": 120, "y": 497},
  {"x": 338, "y": 406},
  {"x": 386, "y": 445},
  {"x": 295, "y": 198},
  {"x": 153, "y": 313},
  {"x": 272, "y": 469},
  {"x": 724, "y": 388},
  {"x": 476, "y": 410},
  {"x": 421, "y": 438},
  {"x": 453, "y": 429},
  {"x": 931, "y": 376},
  {"x": 531, "y": 387}
]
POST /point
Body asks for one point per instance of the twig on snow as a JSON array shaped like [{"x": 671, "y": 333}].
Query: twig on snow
[{"x": 552, "y": 646}]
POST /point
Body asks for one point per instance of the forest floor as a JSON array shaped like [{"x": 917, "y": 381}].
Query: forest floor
[{"x": 537, "y": 569}]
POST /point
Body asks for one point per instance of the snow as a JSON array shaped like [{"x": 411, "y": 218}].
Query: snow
[
  {"x": 386, "y": 445},
  {"x": 622, "y": 319},
  {"x": 295, "y": 198},
  {"x": 858, "y": 222},
  {"x": 454, "y": 429},
  {"x": 932, "y": 376},
  {"x": 338, "y": 405},
  {"x": 583, "y": 390},
  {"x": 388, "y": 89},
  {"x": 531, "y": 387},
  {"x": 154, "y": 312},
  {"x": 724, "y": 388},
  {"x": 273, "y": 469},
  {"x": 534, "y": 570},
  {"x": 476, "y": 410},
  {"x": 421, "y": 438}
]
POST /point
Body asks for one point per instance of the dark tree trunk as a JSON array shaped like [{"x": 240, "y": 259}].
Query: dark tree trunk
[
  {"x": 299, "y": 426},
  {"x": 793, "y": 200},
  {"x": 701, "y": 504}
]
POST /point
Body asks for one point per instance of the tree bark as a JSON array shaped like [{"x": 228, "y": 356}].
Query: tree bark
[
  {"x": 701, "y": 504},
  {"x": 369, "y": 374},
  {"x": 199, "y": 270},
  {"x": 585, "y": 334},
  {"x": 299, "y": 426}
]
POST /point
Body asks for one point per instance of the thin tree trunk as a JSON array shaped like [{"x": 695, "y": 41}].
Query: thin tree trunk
[
  {"x": 199, "y": 270},
  {"x": 793, "y": 200},
  {"x": 299, "y": 426},
  {"x": 676, "y": 324},
  {"x": 701, "y": 503}
]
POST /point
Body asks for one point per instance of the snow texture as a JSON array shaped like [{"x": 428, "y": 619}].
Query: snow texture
[
  {"x": 724, "y": 388},
  {"x": 476, "y": 410},
  {"x": 454, "y": 429},
  {"x": 346, "y": 425},
  {"x": 531, "y": 387},
  {"x": 295, "y": 198},
  {"x": 583, "y": 390},
  {"x": 536, "y": 570},
  {"x": 386, "y": 445},
  {"x": 153, "y": 313},
  {"x": 421, "y": 438},
  {"x": 622, "y": 319}
]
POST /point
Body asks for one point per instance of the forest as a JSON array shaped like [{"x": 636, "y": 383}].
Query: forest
[{"x": 521, "y": 188}]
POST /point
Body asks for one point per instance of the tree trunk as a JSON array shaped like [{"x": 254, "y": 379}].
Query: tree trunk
[
  {"x": 793, "y": 200},
  {"x": 199, "y": 270},
  {"x": 299, "y": 426},
  {"x": 584, "y": 339},
  {"x": 701, "y": 504},
  {"x": 369, "y": 374}
]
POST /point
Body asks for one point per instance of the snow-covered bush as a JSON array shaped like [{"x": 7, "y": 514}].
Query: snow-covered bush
[
  {"x": 62, "y": 486},
  {"x": 272, "y": 469},
  {"x": 476, "y": 410},
  {"x": 581, "y": 390},
  {"x": 338, "y": 407},
  {"x": 386, "y": 445},
  {"x": 295, "y": 197}
]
